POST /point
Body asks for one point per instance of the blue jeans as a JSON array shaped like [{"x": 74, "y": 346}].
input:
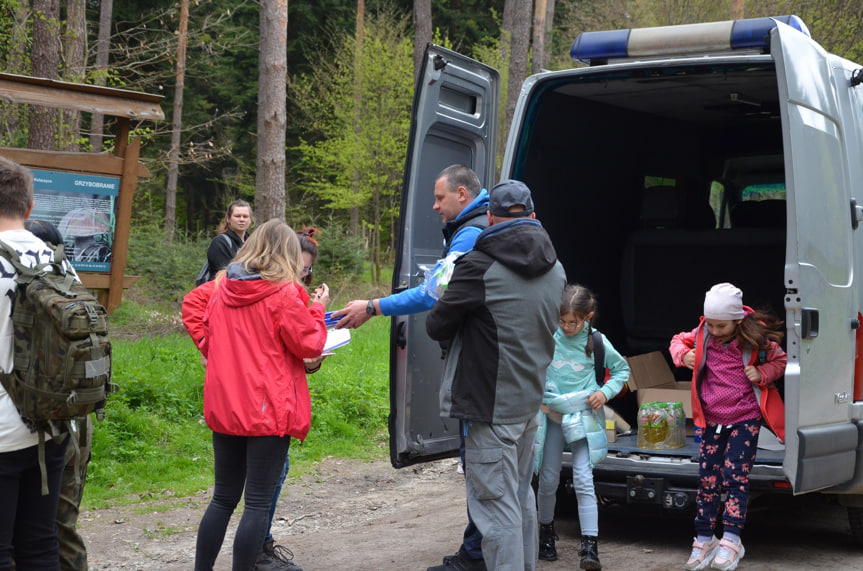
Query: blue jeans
[
  {"x": 28, "y": 520},
  {"x": 276, "y": 495},
  {"x": 727, "y": 455},
  {"x": 247, "y": 465}
]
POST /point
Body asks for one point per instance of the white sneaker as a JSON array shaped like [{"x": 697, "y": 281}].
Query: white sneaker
[
  {"x": 728, "y": 555},
  {"x": 460, "y": 468},
  {"x": 702, "y": 554}
]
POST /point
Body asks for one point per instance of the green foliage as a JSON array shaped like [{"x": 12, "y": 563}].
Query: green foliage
[
  {"x": 175, "y": 393},
  {"x": 167, "y": 269},
  {"x": 340, "y": 254},
  {"x": 154, "y": 443},
  {"x": 356, "y": 109},
  {"x": 153, "y": 439},
  {"x": 350, "y": 397}
]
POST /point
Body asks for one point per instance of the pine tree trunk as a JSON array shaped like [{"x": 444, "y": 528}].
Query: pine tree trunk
[
  {"x": 539, "y": 33},
  {"x": 177, "y": 124},
  {"x": 422, "y": 32},
  {"x": 549, "y": 22},
  {"x": 45, "y": 59},
  {"x": 76, "y": 63},
  {"x": 103, "y": 48},
  {"x": 518, "y": 60},
  {"x": 272, "y": 118},
  {"x": 358, "y": 90}
]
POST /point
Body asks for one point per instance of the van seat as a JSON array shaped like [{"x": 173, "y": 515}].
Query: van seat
[
  {"x": 759, "y": 214},
  {"x": 665, "y": 273},
  {"x": 675, "y": 207}
]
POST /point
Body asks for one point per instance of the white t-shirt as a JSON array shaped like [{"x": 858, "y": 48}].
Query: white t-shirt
[{"x": 14, "y": 434}]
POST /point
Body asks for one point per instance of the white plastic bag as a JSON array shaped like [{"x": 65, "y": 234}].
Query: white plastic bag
[{"x": 437, "y": 278}]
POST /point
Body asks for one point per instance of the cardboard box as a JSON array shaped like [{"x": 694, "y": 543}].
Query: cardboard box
[{"x": 652, "y": 380}]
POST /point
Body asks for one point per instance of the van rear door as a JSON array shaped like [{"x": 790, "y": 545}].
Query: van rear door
[
  {"x": 821, "y": 441},
  {"x": 454, "y": 122}
]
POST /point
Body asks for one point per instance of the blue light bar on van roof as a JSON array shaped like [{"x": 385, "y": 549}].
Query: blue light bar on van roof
[{"x": 687, "y": 39}]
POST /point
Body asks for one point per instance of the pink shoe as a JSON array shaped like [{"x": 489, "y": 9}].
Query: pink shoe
[
  {"x": 728, "y": 555},
  {"x": 702, "y": 554}
]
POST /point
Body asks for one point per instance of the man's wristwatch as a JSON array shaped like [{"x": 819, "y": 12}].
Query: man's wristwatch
[{"x": 370, "y": 308}]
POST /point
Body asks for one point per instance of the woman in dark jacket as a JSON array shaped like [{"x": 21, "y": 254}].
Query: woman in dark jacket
[{"x": 232, "y": 233}]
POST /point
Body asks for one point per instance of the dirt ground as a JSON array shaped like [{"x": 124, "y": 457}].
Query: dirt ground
[{"x": 366, "y": 515}]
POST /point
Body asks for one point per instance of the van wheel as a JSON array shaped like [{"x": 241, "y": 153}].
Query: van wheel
[{"x": 855, "y": 520}]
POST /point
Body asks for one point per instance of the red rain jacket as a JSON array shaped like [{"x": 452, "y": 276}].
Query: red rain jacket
[{"x": 255, "y": 335}]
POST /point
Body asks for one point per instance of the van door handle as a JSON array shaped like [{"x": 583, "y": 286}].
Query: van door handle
[
  {"x": 401, "y": 340},
  {"x": 809, "y": 323}
]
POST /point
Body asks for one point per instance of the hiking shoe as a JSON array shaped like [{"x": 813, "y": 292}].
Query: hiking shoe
[
  {"x": 276, "y": 558},
  {"x": 547, "y": 550},
  {"x": 461, "y": 561},
  {"x": 728, "y": 555},
  {"x": 702, "y": 554},
  {"x": 589, "y": 553}
]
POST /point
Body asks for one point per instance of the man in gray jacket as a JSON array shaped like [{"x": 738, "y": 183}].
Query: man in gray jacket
[{"x": 500, "y": 311}]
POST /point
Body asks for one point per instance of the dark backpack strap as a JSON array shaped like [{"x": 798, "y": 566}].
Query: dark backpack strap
[{"x": 598, "y": 357}]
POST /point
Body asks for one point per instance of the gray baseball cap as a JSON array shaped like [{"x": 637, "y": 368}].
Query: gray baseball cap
[{"x": 509, "y": 193}]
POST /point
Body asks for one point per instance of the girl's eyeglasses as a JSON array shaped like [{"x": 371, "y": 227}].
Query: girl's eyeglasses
[{"x": 570, "y": 324}]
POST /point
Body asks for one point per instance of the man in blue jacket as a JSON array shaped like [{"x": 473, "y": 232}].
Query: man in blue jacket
[
  {"x": 462, "y": 204},
  {"x": 501, "y": 343}
]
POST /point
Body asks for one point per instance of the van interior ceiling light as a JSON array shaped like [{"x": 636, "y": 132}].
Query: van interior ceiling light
[{"x": 687, "y": 39}]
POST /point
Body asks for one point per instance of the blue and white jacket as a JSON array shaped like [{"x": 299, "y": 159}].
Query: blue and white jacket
[{"x": 459, "y": 236}]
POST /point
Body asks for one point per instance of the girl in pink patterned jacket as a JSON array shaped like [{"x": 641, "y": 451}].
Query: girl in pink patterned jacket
[{"x": 736, "y": 360}]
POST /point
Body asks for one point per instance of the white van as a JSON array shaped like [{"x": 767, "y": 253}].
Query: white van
[{"x": 681, "y": 157}]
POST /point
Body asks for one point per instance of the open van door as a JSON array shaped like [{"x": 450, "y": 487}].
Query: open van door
[
  {"x": 453, "y": 122},
  {"x": 821, "y": 440}
]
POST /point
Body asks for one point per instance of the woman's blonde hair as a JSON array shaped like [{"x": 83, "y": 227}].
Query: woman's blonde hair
[{"x": 273, "y": 250}]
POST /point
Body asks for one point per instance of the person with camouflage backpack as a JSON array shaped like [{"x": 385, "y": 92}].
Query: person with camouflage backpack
[
  {"x": 73, "y": 551},
  {"x": 28, "y": 529}
]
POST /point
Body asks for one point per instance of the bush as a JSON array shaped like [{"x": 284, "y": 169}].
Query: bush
[{"x": 168, "y": 269}]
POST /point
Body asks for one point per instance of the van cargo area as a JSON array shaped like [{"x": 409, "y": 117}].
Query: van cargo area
[{"x": 623, "y": 167}]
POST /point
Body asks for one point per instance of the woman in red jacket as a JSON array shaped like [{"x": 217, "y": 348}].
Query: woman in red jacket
[{"x": 258, "y": 328}]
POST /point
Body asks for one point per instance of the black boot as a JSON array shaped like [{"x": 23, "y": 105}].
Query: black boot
[
  {"x": 547, "y": 552},
  {"x": 589, "y": 553}
]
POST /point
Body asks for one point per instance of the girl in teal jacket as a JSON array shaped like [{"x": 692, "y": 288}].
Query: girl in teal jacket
[{"x": 572, "y": 412}]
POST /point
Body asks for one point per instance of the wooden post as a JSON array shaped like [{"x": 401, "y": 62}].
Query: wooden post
[
  {"x": 128, "y": 182},
  {"x": 121, "y": 140}
]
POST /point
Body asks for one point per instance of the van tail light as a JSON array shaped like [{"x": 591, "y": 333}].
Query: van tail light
[
  {"x": 858, "y": 361},
  {"x": 784, "y": 485}
]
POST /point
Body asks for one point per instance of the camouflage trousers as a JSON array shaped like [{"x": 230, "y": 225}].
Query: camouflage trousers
[{"x": 73, "y": 552}]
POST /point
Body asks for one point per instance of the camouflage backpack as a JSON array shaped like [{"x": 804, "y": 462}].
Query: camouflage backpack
[{"x": 61, "y": 349}]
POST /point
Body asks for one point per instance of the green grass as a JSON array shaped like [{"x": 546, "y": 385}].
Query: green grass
[{"x": 154, "y": 443}]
